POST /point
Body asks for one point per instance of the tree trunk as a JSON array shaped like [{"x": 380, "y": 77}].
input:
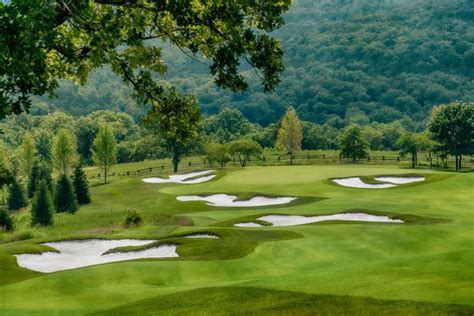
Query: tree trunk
[
  {"x": 291, "y": 157},
  {"x": 457, "y": 162},
  {"x": 430, "y": 159},
  {"x": 460, "y": 159},
  {"x": 413, "y": 160},
  {"x": 105, "y": 174}
]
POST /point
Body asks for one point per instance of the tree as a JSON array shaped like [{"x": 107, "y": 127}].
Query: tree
[
  {"x": 452, "y": 126},
  {"x": 228, "y": 125},
  {"x": 27, "y": 154},
  {"x": 64, "y": 152},
  {"x": 427, "y": 145},
  {"x": 16, "y": 196},
  {"x": 179, "y": 126},
  {"x": 43, "y": 144},
  {"x": 65, "y": 199},
  {"x": 104, "y": 150},
  {"x": 81, "y": 186},
  {"x": 290, "y": 133},
  {"x": 42, "y": 206},
  {"x": 53, "y": 40},
  {"x": 33, "y": 179},
  {"x": 352, "y": 144},
  {"x": 244, "y": 148},
  {"x": 218, "y": 153},
  {"x": 408, "y": 144},
  {"x": 6, "y": 221}
]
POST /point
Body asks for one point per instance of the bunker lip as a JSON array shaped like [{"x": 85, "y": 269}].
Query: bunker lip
[
  {"x": 356, "y": 182},
  {"x": 201, "y": 235},
  {"x": 225, "y": 200},
  {"x": 401, "y": 179},
  {"x": 186, "y": 178},
  {"x": 293, "y": 220},
  {"x": 83, "y": 253},
  {"x": 249, "y": 224},
  {"x": 387, "y": 181}
]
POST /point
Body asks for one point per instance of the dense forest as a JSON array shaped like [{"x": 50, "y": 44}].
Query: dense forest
[{"x": 346, "y": 62}]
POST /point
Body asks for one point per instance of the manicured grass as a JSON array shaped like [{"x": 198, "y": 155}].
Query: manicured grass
[
  {"x": 359, "y": 266},
  {"x": 251, "y": 301}
]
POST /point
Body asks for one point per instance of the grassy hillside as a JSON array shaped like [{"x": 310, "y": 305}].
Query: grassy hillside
[{"x": 363, "y": 268}]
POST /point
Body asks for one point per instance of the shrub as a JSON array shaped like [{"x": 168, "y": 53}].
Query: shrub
[
  {"x": 65, "y": 199},
  {"x": 133, "y": 218}
]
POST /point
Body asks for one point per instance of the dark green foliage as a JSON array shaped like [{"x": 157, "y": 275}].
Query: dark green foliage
[
  {"x": 352, "y": 143},
  {"x": 81, "y": 186},
  {"x": 244, "y": 149},
  {"x": 45, "y": 174},
  {"x": 6, "y": 221},
  {"x": 408, "y": 144},
  {"x": 346, "y": 62},
  {"x": 65, "y": 199},
  {"x": 16, "y": 196},
  {"x": 452, "y": 126},
  {"x": 5, "y": 175},
  {"x": 133, "y": 218},
  {"x": 33, "y": 179},
  {"x": 42, "y": 208},
  {"x": 227, "y": 126}
]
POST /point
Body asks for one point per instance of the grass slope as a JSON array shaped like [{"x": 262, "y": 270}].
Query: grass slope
[{"x": 252, "y": 301}]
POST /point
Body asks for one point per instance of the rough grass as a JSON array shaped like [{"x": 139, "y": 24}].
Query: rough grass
[{"x": 259, "y": 301}]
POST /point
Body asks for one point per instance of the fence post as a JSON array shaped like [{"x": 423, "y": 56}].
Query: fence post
[
  {"x": 128, "y": 173},
  {"x": 368, "y": 158},
  {"x": 383, "y": 158},
  {"x": 98, "y": 176}
]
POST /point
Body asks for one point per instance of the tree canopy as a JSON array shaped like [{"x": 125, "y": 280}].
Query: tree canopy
[{"x": 44, "y": 41}]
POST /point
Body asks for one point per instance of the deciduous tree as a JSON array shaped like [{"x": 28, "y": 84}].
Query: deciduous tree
[
  {"x": 64, "y": 151},
  {"x": 218, "y": 153},
  {"x": 290, "y": 133},
  {"x": 27, "y": 154},
  {"x": 244, "y": 148},
  {"x": 104, "y": 150},
  {"x": 352, "y": 144}
]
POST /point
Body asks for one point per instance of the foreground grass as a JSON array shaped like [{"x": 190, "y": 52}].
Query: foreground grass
[
  {"x": 252, "y": 301},
  {"x": 429, "y": 260}
]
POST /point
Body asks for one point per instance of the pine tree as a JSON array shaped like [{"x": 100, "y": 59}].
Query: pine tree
[
  {"x": 16, "y": 196},
  {"x": 81, "y": 185},
  {"x": 65, "y": 199},
  {"x": 45, "y": 173},
  {"x": 42, "y": 205},
  {"x": 290, "y": 133},
  {"x": 33, "y": 179},
  {"x": 6, "y": 221}
]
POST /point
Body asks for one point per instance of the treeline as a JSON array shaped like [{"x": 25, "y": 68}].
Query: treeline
[{"x": 358, "y": 61}]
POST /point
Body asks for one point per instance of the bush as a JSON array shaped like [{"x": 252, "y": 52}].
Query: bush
[{"x": 133, "y": 218}]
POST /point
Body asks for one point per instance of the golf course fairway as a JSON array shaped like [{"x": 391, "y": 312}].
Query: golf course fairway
[{"x": 422, "y": 266}]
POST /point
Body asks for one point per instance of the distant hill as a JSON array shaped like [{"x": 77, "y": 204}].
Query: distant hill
[{"x": 346, "y": 61}]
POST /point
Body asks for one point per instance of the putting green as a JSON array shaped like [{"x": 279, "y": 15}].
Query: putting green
[{"x": 421, "y": 267}]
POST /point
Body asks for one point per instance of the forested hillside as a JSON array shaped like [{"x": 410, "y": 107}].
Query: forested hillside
[{"x": 346, "y": 61}]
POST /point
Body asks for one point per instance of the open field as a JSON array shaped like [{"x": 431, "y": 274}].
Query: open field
[{"x": 423, "y": 266}]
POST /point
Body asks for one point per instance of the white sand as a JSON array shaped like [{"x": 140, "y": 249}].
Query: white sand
[
  {"x": 182, "y": 178},
  {"x": 201, "y": 236},
  {"x": 400, "y": 180},
  {"x": 291, "y": 220},
  {"x": 226, "y": 200},
  {"x": 356, "y": 182},
  {"x": 83, "y": 253},
  {"x": 251, "y": 224}
]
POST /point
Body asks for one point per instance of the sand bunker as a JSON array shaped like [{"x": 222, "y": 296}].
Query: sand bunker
[
  {"x": 357, "y": 182},
  {"x": 184, "y": 178},
  {"x": 292, "y": 220},
  {"x": 201, "y": 236},
  {"x": 400, "y": 180},
  {"x": 226, "y": 200},
  {"x": 82, "y": 253},
  {"x": 251, "y": 224}
]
